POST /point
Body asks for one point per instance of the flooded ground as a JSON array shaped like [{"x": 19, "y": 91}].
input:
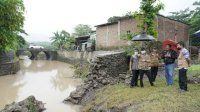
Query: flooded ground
[{"x": 49, "y": 81}]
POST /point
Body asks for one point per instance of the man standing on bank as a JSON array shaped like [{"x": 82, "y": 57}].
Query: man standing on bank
[
  {"x": 133, "y": 67},
  {"x": 183, "y": 64},
  {"x": 144, "y": 67},
  {"x": 169, "y": 56},
  {"x": 154, "y": 63}
]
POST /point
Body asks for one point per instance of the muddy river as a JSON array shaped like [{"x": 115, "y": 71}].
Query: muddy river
[{"x": 49, "y": 81}]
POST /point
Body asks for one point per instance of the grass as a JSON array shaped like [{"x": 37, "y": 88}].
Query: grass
[
  {"x": 194, "y": 70},
  {"x": 81, "y": 69},
  {"x": 160, "y": 98}
]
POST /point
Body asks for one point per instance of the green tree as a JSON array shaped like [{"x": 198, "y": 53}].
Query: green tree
[
  {"x": 195, "y": 24},
  {"x": 62, "y": 40},
  {"x": 116, "y": 18},
  {"x": 182, "y": 15},
  {"x": 147, "y": 14},
  {"x": 82, "y": 30},
  {"x": 21, "y": 42},
  {"x": 191, "y": 17},
  {"x": 11, "y": 23}
]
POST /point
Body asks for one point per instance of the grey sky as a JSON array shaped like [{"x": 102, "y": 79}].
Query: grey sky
[{"x": 46, "y": 16}]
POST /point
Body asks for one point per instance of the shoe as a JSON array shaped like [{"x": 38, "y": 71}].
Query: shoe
[{"x": 182, "y": 91}]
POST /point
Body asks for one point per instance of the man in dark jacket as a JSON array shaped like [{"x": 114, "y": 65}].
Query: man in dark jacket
[{"x": 169, "y": 56}]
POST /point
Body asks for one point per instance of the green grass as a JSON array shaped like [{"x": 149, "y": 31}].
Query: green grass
[
  {"x": 160, "y": 98},
  {"x": 81, "y": 69},
  {"x": 194, "y": 70}
]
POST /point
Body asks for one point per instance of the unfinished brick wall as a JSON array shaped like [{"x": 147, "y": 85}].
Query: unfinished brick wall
[
  {"x": 108, "y": 35},
  {"x": 166, "y": 30}
]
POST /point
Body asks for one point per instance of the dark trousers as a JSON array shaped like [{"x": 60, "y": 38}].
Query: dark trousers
[
  {"x": 154, "y": 72},
  {"x": 134, "y": 79},
  {"x": 183, "y": 79},
  {"x": 147, "y": 72}
]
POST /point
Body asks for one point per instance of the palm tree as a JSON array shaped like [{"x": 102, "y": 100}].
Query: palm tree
[{"x": 62, "y": 40}]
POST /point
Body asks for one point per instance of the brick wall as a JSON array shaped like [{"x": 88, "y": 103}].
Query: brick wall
[
  {"x": 108, "y": 36},
  {"x": 166, "y": 30}
]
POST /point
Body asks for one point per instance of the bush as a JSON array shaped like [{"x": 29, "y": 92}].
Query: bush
[{"x": 81, "y": 69}]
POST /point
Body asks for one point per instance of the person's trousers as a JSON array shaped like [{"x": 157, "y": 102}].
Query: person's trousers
[
  {"x": 183, "y": 79},
  {"x": 154, "y": 72},
  {"x": 134, "y": 79},
  {"x": 147, "y": 72},
  {"x": 169, "y": 73}
]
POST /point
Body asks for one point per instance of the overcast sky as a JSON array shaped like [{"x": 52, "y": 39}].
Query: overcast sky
[{"x": 46, "y": 16}]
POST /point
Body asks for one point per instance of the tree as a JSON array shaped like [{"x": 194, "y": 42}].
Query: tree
[
  {"x": 145, "y": 18},
  {"x": 182, "y": 15},
  {"x": 147, "y": 14},
  {"x": 116, "y": 18},
  {"x": 191, "y": 17},
  {"x": 21, "y": 42},
  {"x": 62, "y": 40},
  {"x": 82, "y": 30},
  {"x": 11, "y": 23}
]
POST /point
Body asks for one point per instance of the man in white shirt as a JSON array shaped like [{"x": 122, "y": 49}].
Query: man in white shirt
[{"x": 183, "y": 64}]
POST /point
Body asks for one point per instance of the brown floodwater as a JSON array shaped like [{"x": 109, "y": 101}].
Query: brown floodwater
[{"x": 49, "y": 81}]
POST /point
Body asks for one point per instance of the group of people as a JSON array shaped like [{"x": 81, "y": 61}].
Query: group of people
[{"x": 142, "y": 63}]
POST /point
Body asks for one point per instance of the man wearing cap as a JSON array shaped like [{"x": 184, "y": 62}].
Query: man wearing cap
[{"x": 144, "y": 67}]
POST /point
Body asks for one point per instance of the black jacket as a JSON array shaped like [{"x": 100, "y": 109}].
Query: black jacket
[{"x": 171, "y": 58}]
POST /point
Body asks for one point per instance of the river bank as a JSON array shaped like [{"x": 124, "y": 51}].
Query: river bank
[
  {"x": 30, "y": 104},
  {"x": 121, "y": 98},
  {"x": 105, "y": 87},
  {"x": 107, "y": 92}
]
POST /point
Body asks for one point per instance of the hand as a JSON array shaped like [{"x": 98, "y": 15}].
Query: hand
[
  {"x": 130, "y": 72},
  {"x": 157, "y": 55},
  {"x": 166, "y": 56},
  {"x": 189, "y": 65},
  {"x": 162, "y": 64}
]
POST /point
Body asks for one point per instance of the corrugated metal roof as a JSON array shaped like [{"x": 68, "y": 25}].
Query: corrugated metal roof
[{"x": 106, "y": 24}]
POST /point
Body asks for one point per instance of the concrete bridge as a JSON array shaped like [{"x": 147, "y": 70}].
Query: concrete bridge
[{"x": 50, "y": 54}]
